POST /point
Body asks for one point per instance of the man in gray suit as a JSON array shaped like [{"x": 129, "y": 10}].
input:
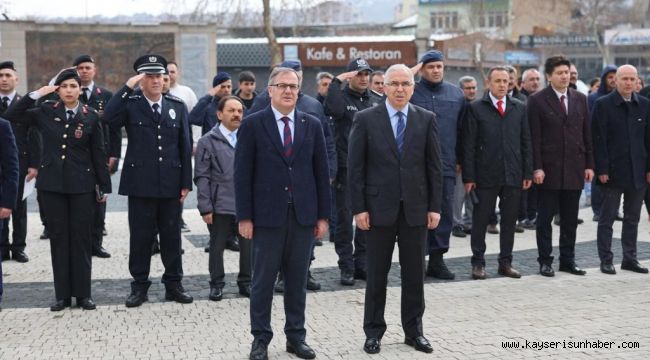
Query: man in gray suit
[{"x": 395, "y": 179}]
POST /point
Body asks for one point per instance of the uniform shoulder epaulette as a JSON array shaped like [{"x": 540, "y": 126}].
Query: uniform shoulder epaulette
[
  {"x": 173, "y": 98},
  {"x": 52, "y": 103},
  {"x": 87, "y": 109},
  {"x": 135, "y": 97}
]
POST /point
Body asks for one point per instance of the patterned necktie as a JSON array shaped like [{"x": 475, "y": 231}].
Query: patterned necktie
[
  {"x": 233, "y": 139},
  {"x": 563, "y": 103},
  {"x": 288, "y": 142},
  {"x": 84, "y": 94},
  {"x": 156, "y": 114},
  {"x": 399, "y": 134},
  {"x": 70, "y": 115},
  {"x": 500, "y": 108},
  {"x": 5, "y": 104}
]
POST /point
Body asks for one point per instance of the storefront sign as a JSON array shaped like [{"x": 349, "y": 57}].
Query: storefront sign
[{"x": 377, "y": 54}]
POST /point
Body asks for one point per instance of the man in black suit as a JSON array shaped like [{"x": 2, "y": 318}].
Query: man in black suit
[
  {"x": 497, "y": 162},
  {"x": 29, "y": 146},
  {"x": 621, "y": 135},
  {"x": 156, "y": 176},
  {"x": 8, "y": 176},
  {"x": 97, "y": 97},
  {"x": 562, "y": 159},
  {"x": 395, "y": 177},
  {"x": 282, "y": 202}
]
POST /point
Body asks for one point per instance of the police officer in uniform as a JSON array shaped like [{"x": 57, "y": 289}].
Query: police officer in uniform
[
  {"x": 97, "y": 97},
  {"x": 73, "y": 175},
  {"x": 156, "y": 175}
]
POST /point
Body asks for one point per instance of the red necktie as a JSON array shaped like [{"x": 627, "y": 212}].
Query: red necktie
[
  {"x": 500, "y": 108},
  {"x": 288, "y": 142},
  {"x": 566, "y": 112}
]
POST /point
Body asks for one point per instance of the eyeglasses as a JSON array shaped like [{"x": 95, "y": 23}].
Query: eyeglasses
[
  {"x": 404, "y": 84},
  {"x": 284, "y": 87}
]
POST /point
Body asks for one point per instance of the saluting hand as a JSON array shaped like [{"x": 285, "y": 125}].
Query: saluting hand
[
  {"x": 134, "y": 80},
  {"x": 46, "y": 90},
  {"x": 416, "y": 68},
  {"x": 347, "y": 75}
]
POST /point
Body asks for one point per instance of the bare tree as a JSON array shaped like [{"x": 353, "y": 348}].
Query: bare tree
[{"x": 276, "y": 53}]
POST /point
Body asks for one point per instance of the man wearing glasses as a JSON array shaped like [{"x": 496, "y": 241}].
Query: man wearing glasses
[{"x": 282, "y": 202}]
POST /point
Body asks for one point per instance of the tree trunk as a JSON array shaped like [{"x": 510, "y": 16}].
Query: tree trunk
[{"x": 276, "y": 53}]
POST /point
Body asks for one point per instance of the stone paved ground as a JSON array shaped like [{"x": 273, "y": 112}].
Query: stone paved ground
[{"x": 464, "y": 319}]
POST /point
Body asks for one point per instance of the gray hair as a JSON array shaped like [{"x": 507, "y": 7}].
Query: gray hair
[
  {"x": 396, "y": 68},
  {"x": 465, "y": 79},
  {"x": 281, "y": 70},
  {"x": 529, "y": 72},
  {"x": 324, "y": 74}
]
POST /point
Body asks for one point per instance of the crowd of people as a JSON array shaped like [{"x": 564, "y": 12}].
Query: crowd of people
[{"x": 375, "y": 158}]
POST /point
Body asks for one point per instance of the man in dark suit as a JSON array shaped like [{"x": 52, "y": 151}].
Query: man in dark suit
[
  {"x": 621, "y": 135},
  {"x": 156, "y": 176},
  {"x": 497, "y": 162},
  {"x": 29, "y": 146},
  {"x": 282, "y": 203},
  {"x": 562, "y": 159},
  {"x": 8, "y": 176},
  {"x": 97, "y": 97},
  {"x": 395, "y": 177}
]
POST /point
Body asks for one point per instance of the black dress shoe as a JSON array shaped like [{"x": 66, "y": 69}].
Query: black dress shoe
[
  {"x": 178, "y": 294},
  {"x": 519, "y": 228},
  {"x": 45, "y": 234},
  {"x": 301, "y": 349},
  {"x": 232, "y": 245},
  {"x": 245, "y": 290},
  {"x": 372, "y": 346},
  {"x": 312, "y": 284},
  {"x": 136, "y": 298},
  {"x": 596, "y": 218},
  {"x": 580, "y": 221},
  {"x": 634, "y": 266},
  {"x": 347, "y": 277},
  {"x": 607, "y": 269},
  {"x": 60, "y": 305},
  {"x": 360, "y": 274},
  {"x": 258, "y": 350},
  {"x": 101, "y": 253},
  {"x": 458, "y": 231},
  {"x": 20, "y": 256},
  {"x": 420, "y": 343},
  {"x": 184, "y": 228},
  {"x": 216, "y": 293},
  {"x": 546, "y": 270},
  {"x": 86, "y": 303},
  {"x": 572, "y": 268},
  {"x": 207, "y": 249}
]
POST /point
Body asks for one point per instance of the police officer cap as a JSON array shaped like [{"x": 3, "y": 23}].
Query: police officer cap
[
  {"x": 431, "y": 55},
  {"x": 150, "y": 64},
  {"x": 66, "y": 75},
  {"x": 291, "y": 64},
  {"x": 7, "y": 65},
  {"x": 221, "y": 77},
  {"x": 359, "y": 64},
  {"x": 82, "y": 59}
]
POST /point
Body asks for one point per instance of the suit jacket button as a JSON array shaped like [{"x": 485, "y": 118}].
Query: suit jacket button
[
  {"x": 63, "y": 146},
  {"x": 159, "y": 137},
  {"x": 65, "y": 136},
  {"x": 159, "y": 159},
  {"x": 62, "y": 157},
  {"x": 286, "y": 188},
  {"x": 159, "y": 147},
  {"x": 132, "y": 165},
  {"x": 67, "y": 126}
]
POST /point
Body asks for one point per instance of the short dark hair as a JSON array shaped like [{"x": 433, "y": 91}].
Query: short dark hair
[
  {"x": 172, "y": 62},
  {"x": 375, "y": 73},
  {"x": 555, "y": 61},
  {"x": 497, "y": 68},
  {"x": 246, "y": 76},
  {"x": 222, "y": 103}
]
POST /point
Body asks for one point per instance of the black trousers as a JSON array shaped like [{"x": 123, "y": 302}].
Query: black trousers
[
  {"x": 412, "y": 243},
  {"x": 528, "y": 203},
  {"x": 567, "y": 203},
  {"x": 632, "y": 201},
  {"x": 70, "y": 218},
  {"x": 286, "y": 248},
  {"x": 146, "y": 217},
  {"x": 98, "y": 225},
  {"x": 223, "y": 228},
  {"x": 350, "y": 257},
  {"x": 18, "y": 222},
  {"x": 509, "y": 208}
]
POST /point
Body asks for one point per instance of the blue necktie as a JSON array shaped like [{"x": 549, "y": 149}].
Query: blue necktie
[
  {"x": 399, "y": 136},
  {"x": 156, "y": 114},
  {"x": 70, "y": 115},
  {"x": 233, "y": 139}
]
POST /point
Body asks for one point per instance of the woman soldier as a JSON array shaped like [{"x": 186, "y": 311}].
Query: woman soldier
[{"x": 73, "y": 174}]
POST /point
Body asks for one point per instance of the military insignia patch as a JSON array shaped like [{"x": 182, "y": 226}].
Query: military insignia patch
[{"x": 172, "y": 114}]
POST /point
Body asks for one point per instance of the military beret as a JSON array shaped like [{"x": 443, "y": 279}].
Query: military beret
[
  {"x": 291, "y": 64},
  {"x": 150, "y": 64},
  {"x": 431, "y": 55},
  {"x": 7, "y": 65},
  {"x": 221, "y": 77},
  {"x": 82, "y": 59},
  {"x": 66, "y": 75},
  {"x": 359, "y": 64}
]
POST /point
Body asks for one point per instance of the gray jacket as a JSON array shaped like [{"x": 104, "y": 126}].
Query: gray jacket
[{"x": 214, "y": 170}]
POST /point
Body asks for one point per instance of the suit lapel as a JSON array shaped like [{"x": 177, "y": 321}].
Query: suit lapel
[
  {"x": 410, "y": 129},
  {"x": 146, "y": 110},
  {"x": 387, "y": 129},
  {"x": 271, "y": 127},
  {"x": 554, "y": 102},
  {"x": 300, "y": 131}
]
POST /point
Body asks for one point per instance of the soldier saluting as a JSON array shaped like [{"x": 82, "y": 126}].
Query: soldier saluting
[{"x": 156, "y": 175}]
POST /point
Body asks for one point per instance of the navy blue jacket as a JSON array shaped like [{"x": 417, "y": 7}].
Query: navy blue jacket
[
  {"x": 265, "y": 178},
  {"x": 602, "y": 88},
  {"x": 311, "y": 106},
  {"x": 204, "y": 113},
  {"x": 28, "y": 141},
  {"x": 447, "y": 102},
  {"x": 158, "y": 157},
  {"x": 8, "y": 166},
  {"x": 621, "y": 133}
]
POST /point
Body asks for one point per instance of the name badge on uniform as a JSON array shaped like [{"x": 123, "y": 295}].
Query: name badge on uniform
[
  {"x": 78, "y": 133},
  {"x": 172, "y": 114}
]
